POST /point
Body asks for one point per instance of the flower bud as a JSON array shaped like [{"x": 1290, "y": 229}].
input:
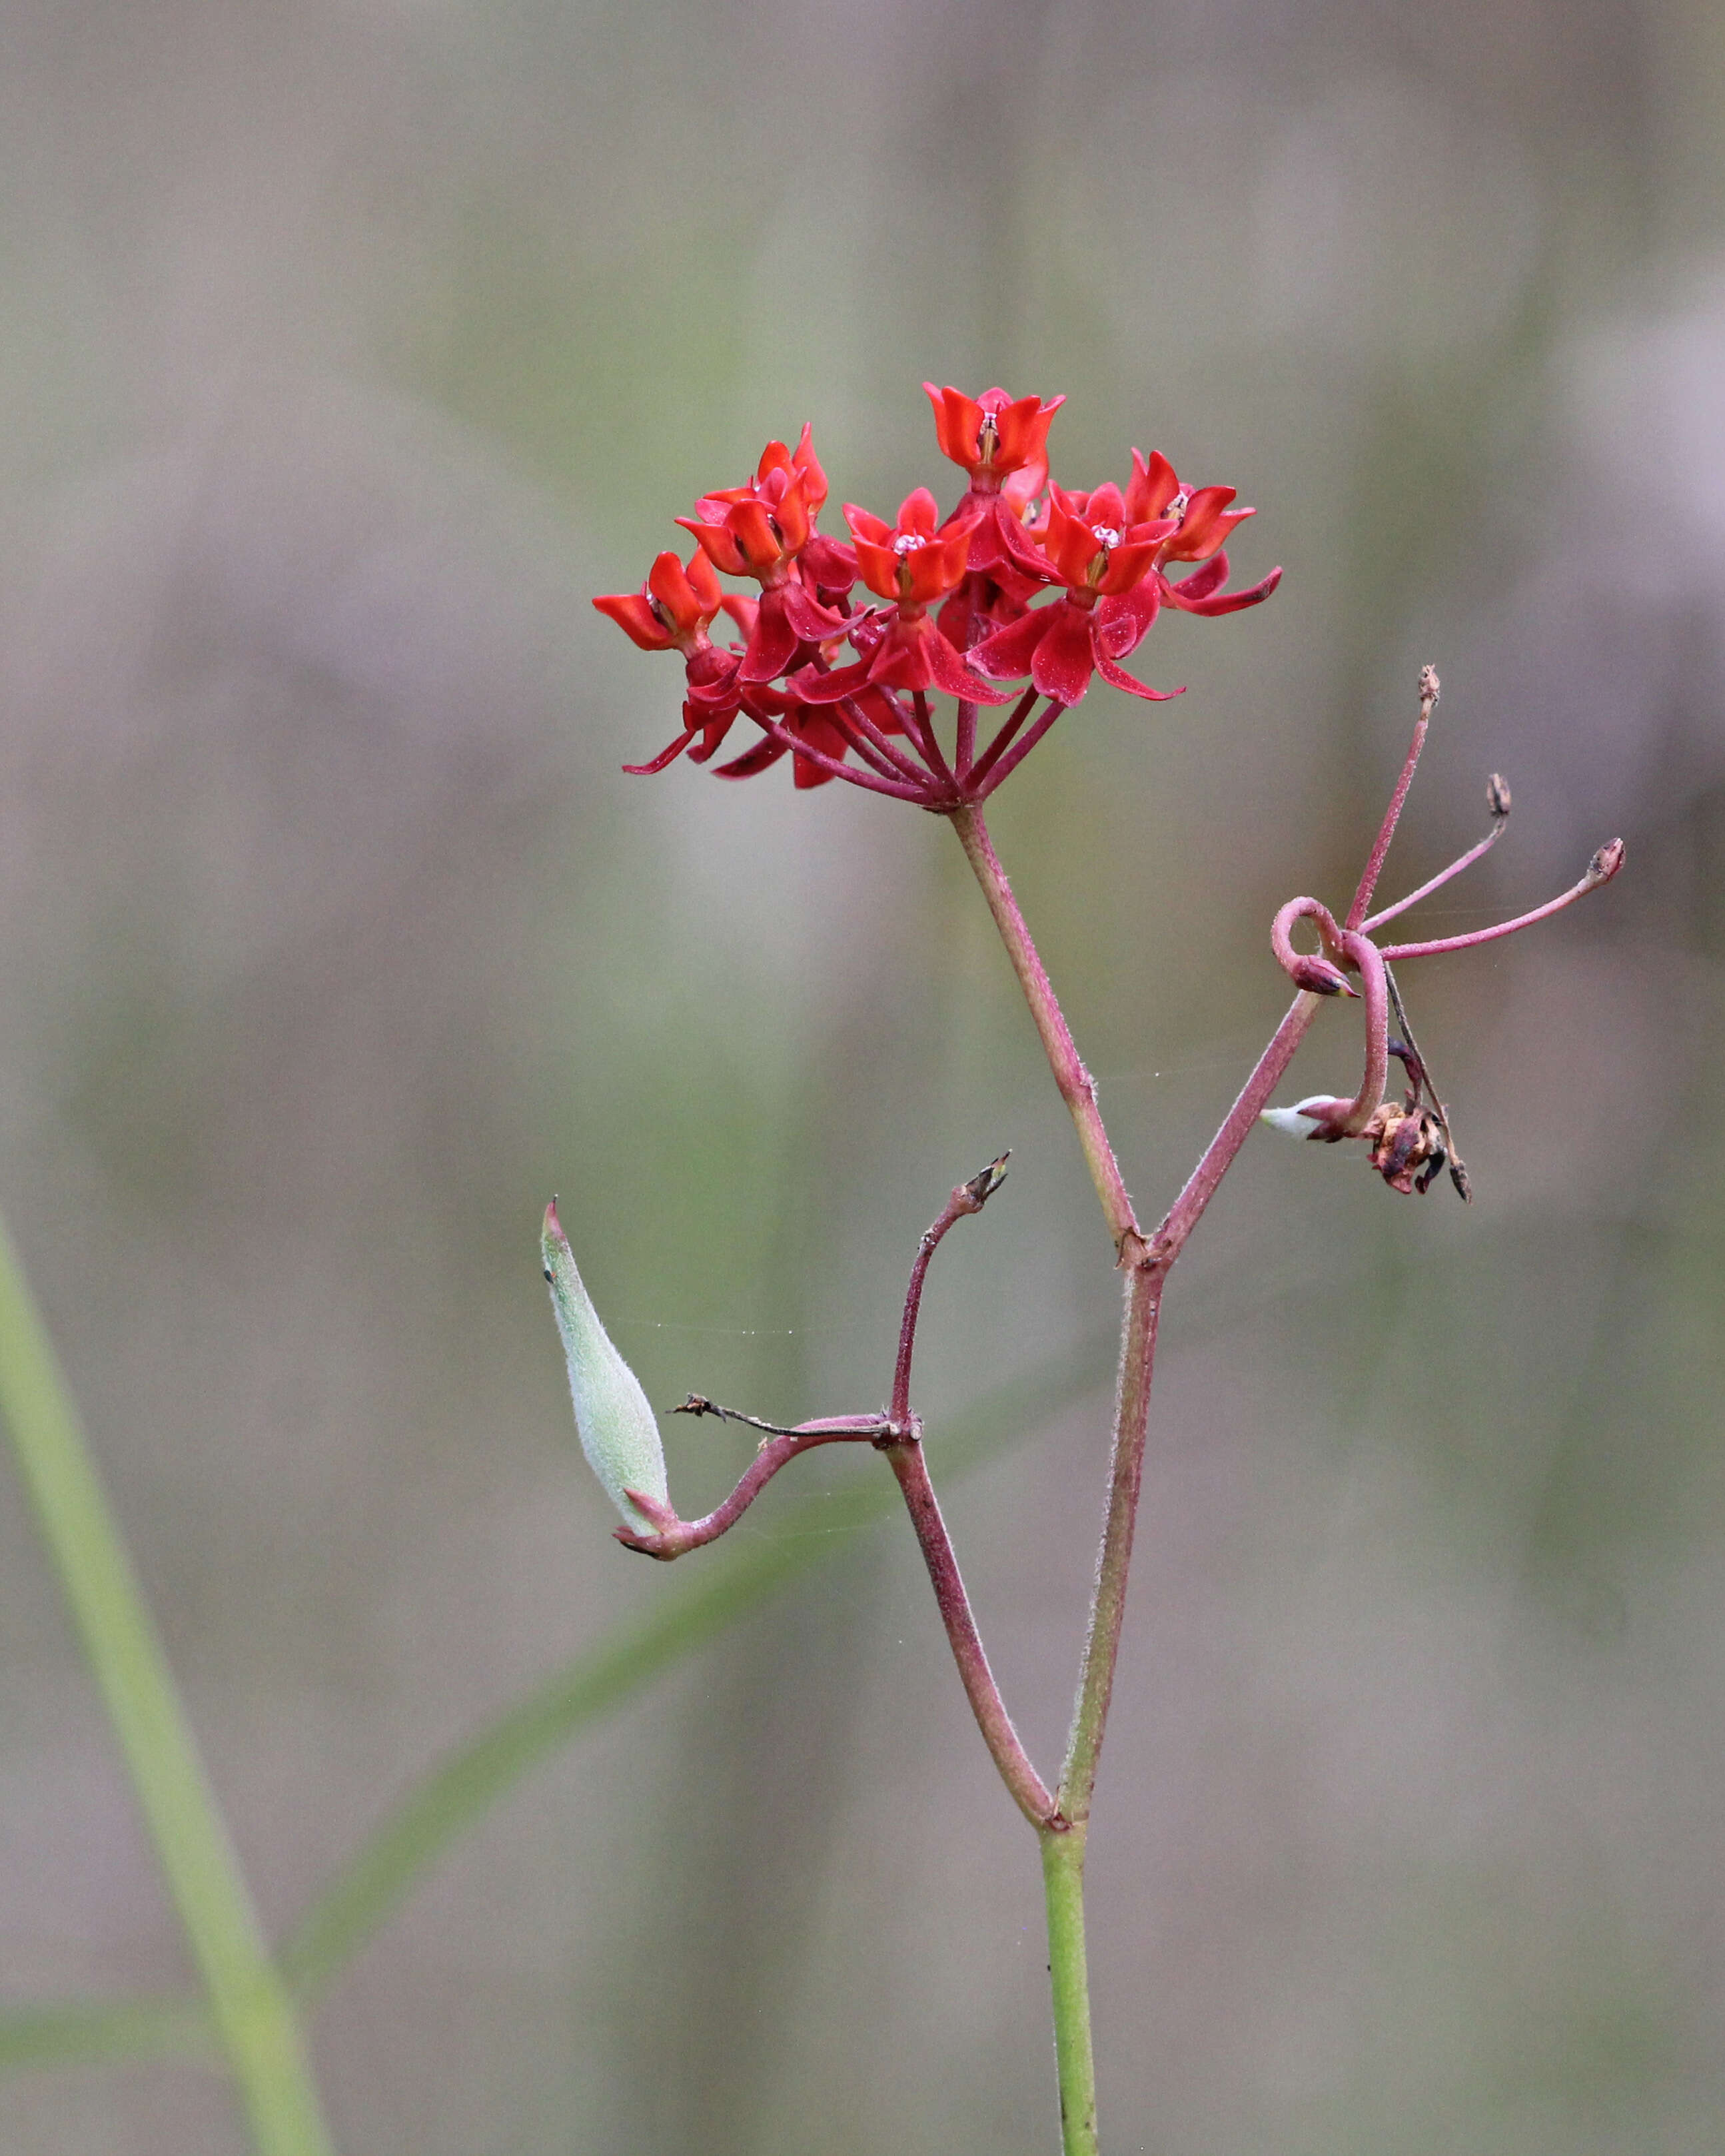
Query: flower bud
[
  {"x": 1497, "y": 796},
  {"x": 616, "y": 1428},
  {"x": 1297, "y": 1122}
]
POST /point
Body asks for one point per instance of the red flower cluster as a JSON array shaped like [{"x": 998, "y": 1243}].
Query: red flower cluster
[{"x": 956, "y": 610}]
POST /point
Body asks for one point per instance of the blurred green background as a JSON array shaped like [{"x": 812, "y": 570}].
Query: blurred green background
[{"x": 346, "y": 349}]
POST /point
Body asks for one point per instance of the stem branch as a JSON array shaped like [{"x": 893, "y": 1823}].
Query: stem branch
[{"x": 1030, "y": 1793}]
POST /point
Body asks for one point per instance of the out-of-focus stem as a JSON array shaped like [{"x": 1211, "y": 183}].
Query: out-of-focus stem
[
  {"x": 1069, "y": 1976},
  {"x": 1077, "y": 1088}
]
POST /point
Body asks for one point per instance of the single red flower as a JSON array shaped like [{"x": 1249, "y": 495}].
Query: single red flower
[
  {"x": 912, "y": 560},
  {"x": 1003, "y": 444},
  {"x": 1086, "y": 542},
  {"x": 760, "y": 530},
  {"x": 672, "y": 609},
  {"x": 913, "y": 564},
  {"x": 672, "y": 612},
  {"x": 1202, "y": 522}
]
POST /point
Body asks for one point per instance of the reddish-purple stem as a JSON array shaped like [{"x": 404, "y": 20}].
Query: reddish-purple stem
[
  {"x": 676, "y": 1536},
  {"x": 1028, "y": 1790},
  {"x": 1186, "y": 1210},
  {"x": 1590, "y": 881},
  {"x": 900, "y": 762},
  {"x": 877, "y": 760},
  {"x": 1003, "y": 739},
  {"x": 834, "y": 769},
  {"x": 929, "y": 741},
  {"x": 963, "y": 1200},
  {"x": 1125, "y": 1475},
  {"x": 964, "y": 739},
  {"x": 1442, "y": 877},
  {"x": 1004, "y": 767},
  {"x": 1392, "y": 815}
]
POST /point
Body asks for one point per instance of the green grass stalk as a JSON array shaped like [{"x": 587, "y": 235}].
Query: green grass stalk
[{"x": 253, "y": 2016}]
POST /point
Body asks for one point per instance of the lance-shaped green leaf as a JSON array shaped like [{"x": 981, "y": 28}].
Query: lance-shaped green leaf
[{"x": 617, "y": 1430}]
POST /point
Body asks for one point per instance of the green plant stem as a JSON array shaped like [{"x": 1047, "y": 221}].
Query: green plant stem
[
  {"x": 1107, "y": 1609},
  {"x": 254, "y": 2019},
  {"x": 1068, "y": 1977}
]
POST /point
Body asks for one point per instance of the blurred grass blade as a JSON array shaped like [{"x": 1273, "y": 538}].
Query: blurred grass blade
[
  {"x": 248, "y": 2003},
  {"x": 103, "y": 2032},
  {"x": 454, "y": 1795}
]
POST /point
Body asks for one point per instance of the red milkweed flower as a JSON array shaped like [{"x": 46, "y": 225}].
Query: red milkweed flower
[
  {"x": 759, "y": 529},
  {"x": 1087, "y": 543},
  {"x": 1201, "y": 521},
  {"x": 1001, "y": 443},
  {"x": 913, "y": 564},
  {"x": 672, "y": 612}
]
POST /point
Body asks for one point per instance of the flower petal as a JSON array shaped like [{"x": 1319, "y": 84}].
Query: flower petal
[
  {"x": 1064, "y": 660},
  {"x": 1118, "y": 677},
  {"x": 1007, "y": 654}
]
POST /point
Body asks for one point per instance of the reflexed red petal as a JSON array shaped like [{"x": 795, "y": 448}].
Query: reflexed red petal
[
  {"x": 820, "y": 733},
  {"x": 666, "y": 756},
  {"x": 829, "y": 563},
  {"x": 1064, "y": 660},
  {"x": 1222, "y": 602},
  {"x": 953, "y": 619},
  {"x": 811, "y": 686},
  {"x": 1209, "y": 576},
  {"x": 764, "y": 753},
  {"x": 806, "y": 615},
  {"x": 1025, "y": 554},
  {"x": 1120, "y": 679},
  {"x": 713, "y": 731}
]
